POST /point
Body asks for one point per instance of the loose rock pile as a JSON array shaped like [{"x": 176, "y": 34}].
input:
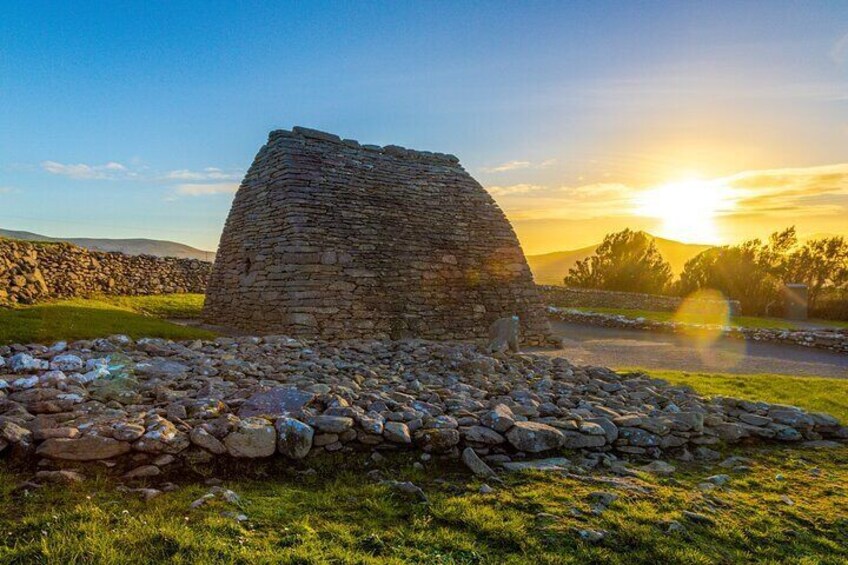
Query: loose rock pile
[
  {"x": 831, "y": 340},
  {"x": 151, "y": 403},
  {"x": 30, "y": 272}
]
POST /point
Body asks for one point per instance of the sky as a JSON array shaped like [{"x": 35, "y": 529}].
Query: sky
[{"x": 704, "y": 122}]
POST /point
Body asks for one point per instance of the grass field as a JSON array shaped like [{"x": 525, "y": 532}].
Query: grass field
[
  {"x": 741, "y": 321},
  {"x": 811, "y": 393},
  {"x": 788, "y": 508},
  {"x": 136, "y": 316},
  {"x": 339, "y": 516}
]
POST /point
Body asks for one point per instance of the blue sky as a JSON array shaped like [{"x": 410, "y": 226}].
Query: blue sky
[{"x": 137, "y": 119}]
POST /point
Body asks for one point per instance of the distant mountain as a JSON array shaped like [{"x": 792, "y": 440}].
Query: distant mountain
[
  {"x": 551, "y": 268},
  {"x": 155, "y": 247}
]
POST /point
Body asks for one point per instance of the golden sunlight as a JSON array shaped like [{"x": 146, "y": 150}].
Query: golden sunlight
[{"x": 687, "y": 208}]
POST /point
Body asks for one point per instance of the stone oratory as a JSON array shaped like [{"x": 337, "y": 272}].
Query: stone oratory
[{"x": 333, "y": 239}]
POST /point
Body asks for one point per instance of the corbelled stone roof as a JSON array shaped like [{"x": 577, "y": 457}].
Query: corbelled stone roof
[{"x": 331, "y": 238}]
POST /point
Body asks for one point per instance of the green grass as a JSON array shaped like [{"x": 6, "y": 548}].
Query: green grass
[
  {"x": 338, "y": 516},
  {"x": 137, "y": 316},
  {"x": 811, "y": 393},
  {"x": 741, "y": 321}
]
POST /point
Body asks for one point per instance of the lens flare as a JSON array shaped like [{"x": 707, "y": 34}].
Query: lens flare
[{"x": 706, "y": 315}]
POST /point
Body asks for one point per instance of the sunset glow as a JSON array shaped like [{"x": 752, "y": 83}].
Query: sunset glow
[{"x": 687, "y": 209}]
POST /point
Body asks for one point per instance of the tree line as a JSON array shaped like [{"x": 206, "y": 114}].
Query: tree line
[{"x": 752, "y": 272}]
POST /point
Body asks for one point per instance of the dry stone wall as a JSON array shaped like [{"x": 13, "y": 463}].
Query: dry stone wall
[
  {"x": 330, "y": 238},
  {"x": 30, "y": 272},
  {"x": 570, "y": 297},
  {"x": 830, "y": 339}
]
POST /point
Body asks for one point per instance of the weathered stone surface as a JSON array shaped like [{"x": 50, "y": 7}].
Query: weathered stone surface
[
  {"x": 477, "y": 465},
  {"x": 437, "y": 439},
  {"x": 200, "y": 437},
  {"x": 277, "y": 402},
  {"x": 64, "y": 476},
  {"x": 294, "y": 438},
  {"x": 253, "y": 437},
  {"x": 550, "y": 464},
  {"x": 481, "y": 434},
  {"x": 85, "y": 448},
  {"x": 534, "y": 437},
  {"x": 331, "y": 424},
  {"x": 31, "y": 272},
  {"x": 500, "y": 418},
  {"x": 66, "y": 363},
  {"x": 504, "y": 334},
  {"x": 577, "y": 440},
  {"x": 13, "y": 433},
  {"x": 397, "y": 432},
  {"x": 312, "y": 247}
]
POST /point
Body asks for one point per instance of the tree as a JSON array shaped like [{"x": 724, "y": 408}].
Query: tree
[
  {"x": 820, "y": 264},
  {"x": 627, "y": 261},
  {"x": 754, "y": 272},
  {"x": 741, "y": 272}
]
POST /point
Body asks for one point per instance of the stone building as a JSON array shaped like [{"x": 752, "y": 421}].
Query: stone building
[{"x": 333, "y": 239}]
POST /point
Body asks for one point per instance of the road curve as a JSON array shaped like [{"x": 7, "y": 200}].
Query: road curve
[{"x": 614, "y": 347}]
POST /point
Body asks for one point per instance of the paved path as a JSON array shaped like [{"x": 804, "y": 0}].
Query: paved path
[{"x": 614, "y": 347}]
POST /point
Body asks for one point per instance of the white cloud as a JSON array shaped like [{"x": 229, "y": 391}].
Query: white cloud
[
  {"x": 81, "y": 171},
  {"x": 205, "y": 189},
  {"x": 518, "y": 165},
  {"x": 209, "y": 173},
  {"x": 7, "y": 190}
]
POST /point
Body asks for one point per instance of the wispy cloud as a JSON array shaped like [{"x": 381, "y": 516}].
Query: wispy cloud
[
  {"x": 7, "y": 190},
  {"x": 518, "y": 165},
  {"x": 786, "y": 192},
  {"x": 209, "y": 173},
  {"x": 118, "y": 171},
  {"x": 206, "y": 189},
  {"x": 82, "y": 171},
  {"x": 795, "y": 191},
  {"x": 538, "y": 202}
]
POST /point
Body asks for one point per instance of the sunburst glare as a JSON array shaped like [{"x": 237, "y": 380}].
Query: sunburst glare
[{"x": 687, "y": 208}]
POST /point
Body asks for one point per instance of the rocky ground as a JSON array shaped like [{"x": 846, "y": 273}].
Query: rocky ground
[{"x": 152, "y": 406}]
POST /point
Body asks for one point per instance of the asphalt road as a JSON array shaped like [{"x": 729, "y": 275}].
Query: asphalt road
[{"x": 622, "y": 348}]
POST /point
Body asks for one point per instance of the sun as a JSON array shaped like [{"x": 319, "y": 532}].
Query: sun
[{"x": 687, "y": 208}]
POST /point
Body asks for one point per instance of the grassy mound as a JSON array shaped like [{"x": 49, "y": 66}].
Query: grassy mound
[{"x": 136, "y": 316}]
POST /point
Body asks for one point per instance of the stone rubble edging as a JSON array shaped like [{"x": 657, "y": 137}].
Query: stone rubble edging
[
  {"x": 150, "y": 403},
  {"x": 831, "y": 340}
]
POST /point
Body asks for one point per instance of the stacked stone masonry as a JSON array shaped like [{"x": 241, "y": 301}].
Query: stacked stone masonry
[
  {"x": 330, "y": 238},
  {"x": 570, "y": 297},
  {"x": 30, "y": 272}
]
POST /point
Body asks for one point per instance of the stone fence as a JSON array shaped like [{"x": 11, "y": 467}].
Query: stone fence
[
  {"x": 571, "y": 297},
  {"x": 831, "y": 340},
  {"x": 30, "y": 272}
]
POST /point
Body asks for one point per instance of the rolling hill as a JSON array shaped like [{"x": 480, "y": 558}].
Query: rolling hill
[
  {"x": 159, "y": 248},
  {"x": 551, "y": 268}
]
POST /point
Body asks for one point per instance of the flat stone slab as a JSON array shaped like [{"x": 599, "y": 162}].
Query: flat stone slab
[
  {"x": 87, "y": 448},
  {"x": 276, "y": 403},
  {"x": 550, "y": 464}
]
